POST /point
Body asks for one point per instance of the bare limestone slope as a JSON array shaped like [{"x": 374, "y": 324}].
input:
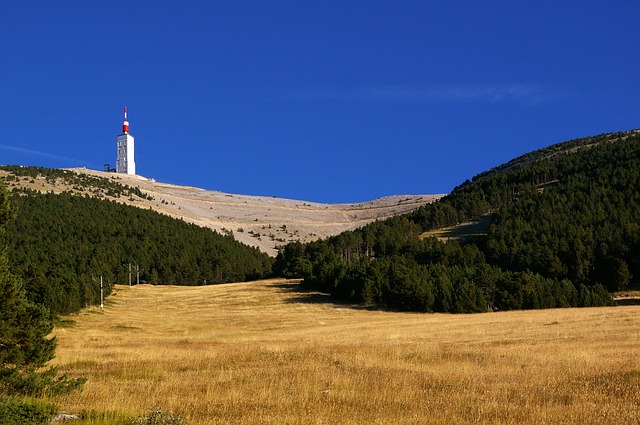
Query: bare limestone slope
[{"x": 260, "y": 221}]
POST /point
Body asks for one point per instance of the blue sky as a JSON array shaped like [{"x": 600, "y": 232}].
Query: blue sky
[{"x": 328, "y": 101}]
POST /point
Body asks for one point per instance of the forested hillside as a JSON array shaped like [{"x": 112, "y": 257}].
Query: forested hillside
[
  {"x": 59, "y": 242},
  {"x": 565, "y": 225}
]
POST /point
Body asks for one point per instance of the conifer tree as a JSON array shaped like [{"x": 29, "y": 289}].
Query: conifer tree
[{"x": 24, "y": 327}]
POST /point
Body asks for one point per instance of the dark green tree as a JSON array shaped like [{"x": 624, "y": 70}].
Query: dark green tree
[
  {"x": 24, "y": 326},
  {"x": 25, "y": 345}
]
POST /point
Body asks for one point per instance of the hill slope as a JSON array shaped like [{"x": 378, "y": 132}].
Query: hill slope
[
  {"x": 565, "y": 222},
  {"x": 259, "y": 221}
]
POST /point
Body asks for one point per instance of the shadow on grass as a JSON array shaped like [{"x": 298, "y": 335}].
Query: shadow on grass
[
  {"x": 628, "y": 301},
  {"x": 64, "y": 323},
  {"x": 306, "y": 296}
]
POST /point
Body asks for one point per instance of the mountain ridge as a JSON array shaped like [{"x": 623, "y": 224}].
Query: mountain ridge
[{"x": 265, "y": 222}]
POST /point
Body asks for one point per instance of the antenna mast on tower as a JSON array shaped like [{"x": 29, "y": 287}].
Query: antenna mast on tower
[{"x": 125, "y": 124}]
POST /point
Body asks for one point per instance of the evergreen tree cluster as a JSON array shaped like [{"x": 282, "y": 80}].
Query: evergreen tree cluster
[
  {"x": 565, "y": 228},
  {"x": 58, "y": 242},
  {"x": 25, "y": 347}
]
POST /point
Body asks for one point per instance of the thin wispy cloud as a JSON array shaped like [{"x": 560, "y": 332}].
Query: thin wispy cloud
[
  {"x": 42, "y": 154},
  {"x": 522, "y": 93}
]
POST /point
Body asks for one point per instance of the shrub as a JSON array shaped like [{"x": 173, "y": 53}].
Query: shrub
[{"x": 24, "y": 410}]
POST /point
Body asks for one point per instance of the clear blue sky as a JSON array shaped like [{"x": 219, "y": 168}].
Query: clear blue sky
[{"x": 328, "y": 101}]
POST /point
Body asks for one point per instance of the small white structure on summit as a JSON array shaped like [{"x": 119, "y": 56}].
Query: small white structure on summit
[{"x": 125, "y": 163}]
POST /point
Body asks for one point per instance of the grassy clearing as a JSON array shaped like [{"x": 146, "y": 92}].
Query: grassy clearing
[
  {"x": 265, "y": 352},
  {"x": 461, "y": 231}
]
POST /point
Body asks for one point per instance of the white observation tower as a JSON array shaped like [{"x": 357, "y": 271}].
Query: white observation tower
[{"x": 125, "y": 162}]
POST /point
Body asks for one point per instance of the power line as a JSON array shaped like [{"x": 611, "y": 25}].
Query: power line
[{"x": 130, "y": 268}]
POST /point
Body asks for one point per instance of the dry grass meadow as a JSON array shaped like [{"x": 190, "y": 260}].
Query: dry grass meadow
[{"x": 268, "y": 353}]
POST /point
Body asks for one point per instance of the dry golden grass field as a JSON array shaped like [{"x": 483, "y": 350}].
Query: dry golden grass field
[{"x": 269, "y": 353}]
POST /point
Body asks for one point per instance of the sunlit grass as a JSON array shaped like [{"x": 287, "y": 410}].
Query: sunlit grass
[
  {"x": 461, "y": 231},
  {"x": 265, "y": 352}
]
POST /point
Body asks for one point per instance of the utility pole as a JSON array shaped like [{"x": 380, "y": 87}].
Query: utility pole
[
  {"x": 128, "y": 268},
  {"x": 101, "y": 291},
  {"x": 138, "y": 270}
]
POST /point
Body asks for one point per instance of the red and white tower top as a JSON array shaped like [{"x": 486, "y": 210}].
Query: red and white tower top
[
  {"x": 125, "y": 162},
  {"x": 125, "y": 124}
]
